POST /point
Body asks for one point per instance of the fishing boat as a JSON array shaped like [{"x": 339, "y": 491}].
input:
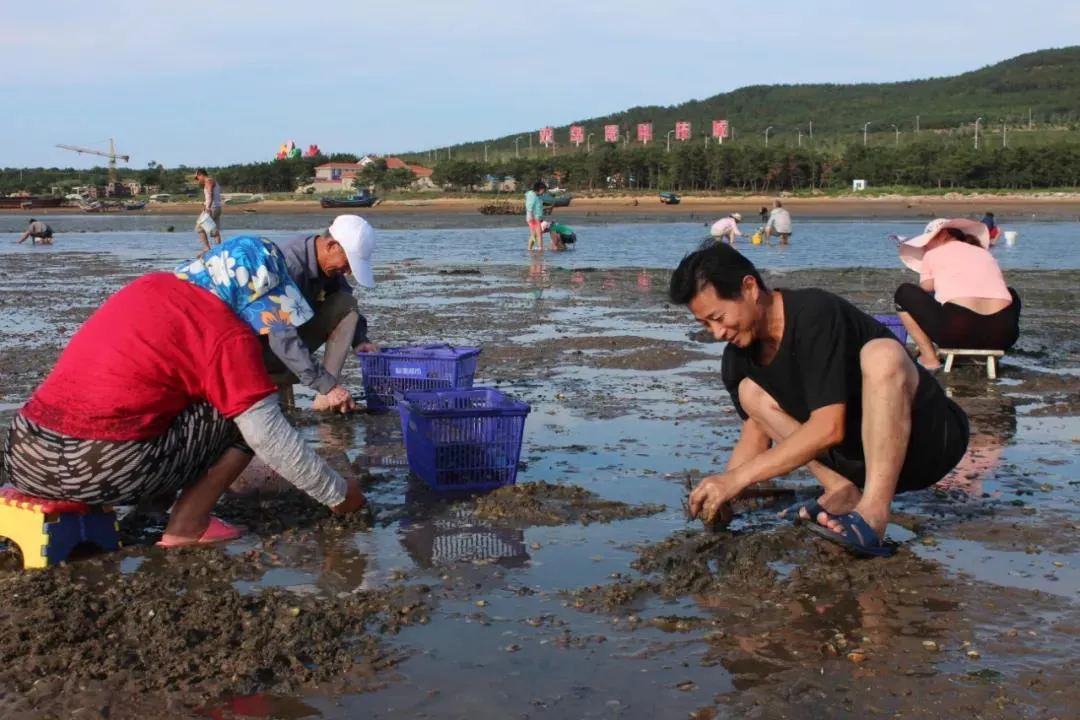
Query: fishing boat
[
  {"x": 30, "y": 203},
  {"x": 360, "y": 200},
  {"x": 559, "y": 200},
  {"x": 669, "y": 198},
  {"x": 139, "y": 205}
]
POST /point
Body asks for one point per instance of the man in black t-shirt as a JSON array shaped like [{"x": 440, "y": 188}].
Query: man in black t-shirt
[{"x": 818, "y": 383}]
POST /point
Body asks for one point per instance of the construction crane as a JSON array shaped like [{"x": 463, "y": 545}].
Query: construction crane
[{"x": 113, "y": 157}]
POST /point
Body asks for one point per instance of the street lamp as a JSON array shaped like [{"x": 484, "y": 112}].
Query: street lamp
[
  {"x": 897, "y": 133},
  {"x": 669, "y": 134},
  {"x": 977, "y": 121},
  {"x": 864, "y": 133},
  {"x": 767, "y": 135},
  {"x": 588, "y": 142}
]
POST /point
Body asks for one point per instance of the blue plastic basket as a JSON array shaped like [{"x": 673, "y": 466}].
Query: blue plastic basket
[
  {"x": 463, "y": 439},
  {"x": 893, "y": 323},
  {"x": 393, "y": 371}
]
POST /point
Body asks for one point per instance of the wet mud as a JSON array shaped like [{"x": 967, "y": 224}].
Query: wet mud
[{"x": 584, "y": 590}]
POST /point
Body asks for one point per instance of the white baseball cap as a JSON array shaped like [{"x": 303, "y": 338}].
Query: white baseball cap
[
  {"x": 736, "y": 216},
  {"x": 357, "y": 238}
]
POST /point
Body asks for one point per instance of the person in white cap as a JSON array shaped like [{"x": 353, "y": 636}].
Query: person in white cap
[
  {"x": 727, "y": 228},
  {"x": 961, "y": 300},
  {"x": 319, "y": 264}
]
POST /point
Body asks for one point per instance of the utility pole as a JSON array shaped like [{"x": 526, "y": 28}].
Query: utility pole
[
  {"x": 588, "y": 143},
  {"x": 977, "y": 121},
  {"x": 485, "y": 152},
  {"x": 517, "y": 152},
  {"x": 1004, "y": 134},
  {"x": 1029, "y": 118},
  {"x": 811, "y": 129},
  {"x": 669, "y": 133},
  {"x": 767, "y": 135},
  {"x": 897, "y": 133},
  {"x": 864, "y": 127},
  {"x": 800, "y": 136},
  {"x": 916, "y": 124}
]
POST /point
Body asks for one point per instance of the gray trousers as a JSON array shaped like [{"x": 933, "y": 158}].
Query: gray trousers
[{"x": 315, "y": 332}]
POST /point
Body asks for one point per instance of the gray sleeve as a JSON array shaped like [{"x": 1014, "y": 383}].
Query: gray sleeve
[
  {"x": 291, "y": 350},
  {"x": 277, "y": 443}
]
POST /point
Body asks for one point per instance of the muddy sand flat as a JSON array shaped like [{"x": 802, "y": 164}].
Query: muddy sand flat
[{"x": 584, "y": 591}]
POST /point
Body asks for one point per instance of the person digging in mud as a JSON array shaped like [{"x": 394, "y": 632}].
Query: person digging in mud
[
  {"x": 961, "y": 300},
  {"x": 561, "y": 235},
  {"x": 162, "y": 395},
  {"x": 318, "y": 264},
  {"x": 37, "y": 231},
  {"x": 817, "y": 383}
]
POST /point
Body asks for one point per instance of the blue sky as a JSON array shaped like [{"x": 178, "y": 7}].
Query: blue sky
[{"x": 209, "y": 83}]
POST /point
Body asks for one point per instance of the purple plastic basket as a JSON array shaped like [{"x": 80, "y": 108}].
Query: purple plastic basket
[
  {"x": 893, "y": 323},
  {"x": 393, "y": 371},
  {"x": 463, "y": 439}
]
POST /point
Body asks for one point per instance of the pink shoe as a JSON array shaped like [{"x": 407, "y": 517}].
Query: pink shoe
[{"x": 216, "y": 531}]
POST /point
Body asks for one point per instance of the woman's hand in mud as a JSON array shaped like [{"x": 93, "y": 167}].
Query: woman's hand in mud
[
  {"x": 713, "y": 494},
  {"x": 354, "y": 499}
]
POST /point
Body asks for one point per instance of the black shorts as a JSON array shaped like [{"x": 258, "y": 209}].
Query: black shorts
[
  {"x": 955, "y": 326},
  {"x": 939, "y": 439}
]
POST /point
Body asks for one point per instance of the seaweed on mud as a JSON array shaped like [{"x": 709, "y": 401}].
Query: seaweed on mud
[
  {"x": 184, "y": 628},
  {"x": 544, "y": 503}
]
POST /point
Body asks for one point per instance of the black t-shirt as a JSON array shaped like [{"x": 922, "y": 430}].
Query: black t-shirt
[{"x": 817, "y": 363}]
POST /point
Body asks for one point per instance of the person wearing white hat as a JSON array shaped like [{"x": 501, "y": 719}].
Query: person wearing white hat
[
  {"x": 961, "y": 300},
  {"x": 320, "y": 265},
  {"x": 727, "y": 228}
]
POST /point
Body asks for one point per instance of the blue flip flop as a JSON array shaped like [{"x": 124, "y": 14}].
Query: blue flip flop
[
  {"x": 858, "y": 536},
  {"x": 813, "y": 507}
]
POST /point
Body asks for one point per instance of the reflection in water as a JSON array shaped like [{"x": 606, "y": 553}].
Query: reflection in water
[
  {"x": 539, "y": 277},
  {"x": 438, "y": 532},
  {"x": 458, "y": 536},
  {"x": 839, "y": 621},
  {"x": 260, "y": 706},
  {"x": 993, "y": 424}
]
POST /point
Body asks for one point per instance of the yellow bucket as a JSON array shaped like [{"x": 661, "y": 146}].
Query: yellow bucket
[{"x": 756, "y": 238}]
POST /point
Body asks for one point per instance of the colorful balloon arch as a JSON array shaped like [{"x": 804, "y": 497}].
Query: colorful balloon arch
[{"x": 288, "y": 150}]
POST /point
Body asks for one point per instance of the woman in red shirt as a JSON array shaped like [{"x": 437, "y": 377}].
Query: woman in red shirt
[{"x": 163, "y": 394}]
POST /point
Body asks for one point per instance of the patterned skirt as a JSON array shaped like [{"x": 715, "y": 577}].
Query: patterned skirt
[{"x": 47, "y": 464}]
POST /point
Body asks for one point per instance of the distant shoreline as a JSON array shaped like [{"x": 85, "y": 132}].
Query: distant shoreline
[{"x": 1046, "y": 206}]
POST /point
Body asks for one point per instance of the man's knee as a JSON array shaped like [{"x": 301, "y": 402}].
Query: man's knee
[
  {"x": 885, "y": 361},
  {"x": 329, "y": 314},
  {"x": 755, "y": 401}
]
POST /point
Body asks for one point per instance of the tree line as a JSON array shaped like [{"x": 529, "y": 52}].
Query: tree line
[
  {"x": 933, "y": 163},
  {"x": 745, "y": 168}
]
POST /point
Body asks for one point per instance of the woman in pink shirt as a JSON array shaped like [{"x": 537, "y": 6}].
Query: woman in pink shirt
[{"x": 961, "y": 300}]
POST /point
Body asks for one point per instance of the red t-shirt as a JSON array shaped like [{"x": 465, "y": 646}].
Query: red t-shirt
[{"x": 157, "y": 346}]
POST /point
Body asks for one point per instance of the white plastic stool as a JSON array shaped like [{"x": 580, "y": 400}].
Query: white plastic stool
[{"x": 990, "y": 355}]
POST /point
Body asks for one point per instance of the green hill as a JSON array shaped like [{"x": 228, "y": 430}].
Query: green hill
[{"x": 1041, "y": 87}]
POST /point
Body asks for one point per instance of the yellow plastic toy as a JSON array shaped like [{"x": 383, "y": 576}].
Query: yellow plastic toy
[{"x": 46, "y": 531}]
